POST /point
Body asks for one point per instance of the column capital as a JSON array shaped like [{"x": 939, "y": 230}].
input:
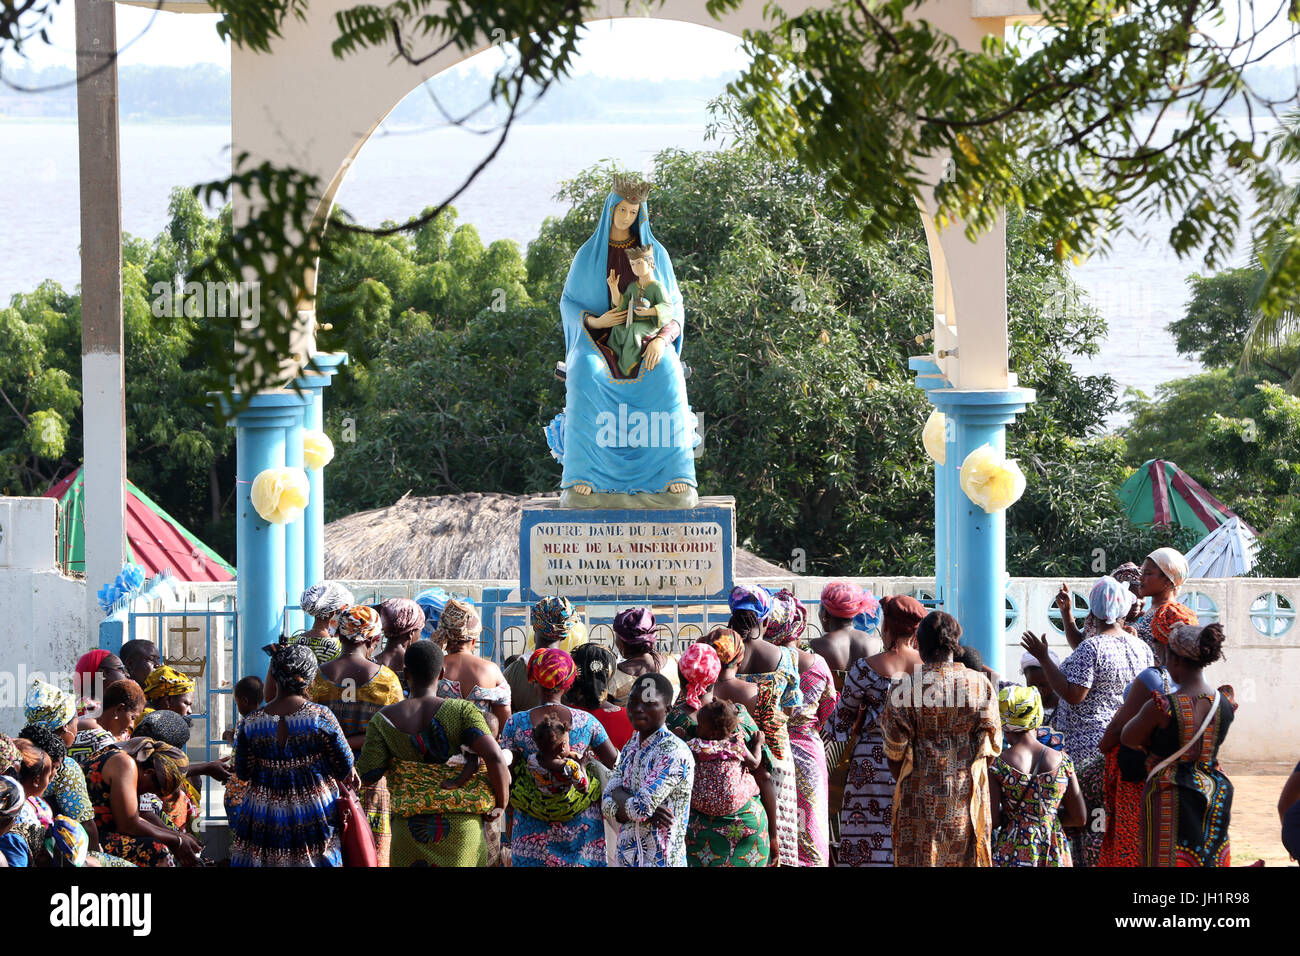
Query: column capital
[
  {"x": 327, "y": 366},
  {"x": 278, "y": 408},
  {"x": 929, "y": 376},
  {"x": 982, "y": 406}
]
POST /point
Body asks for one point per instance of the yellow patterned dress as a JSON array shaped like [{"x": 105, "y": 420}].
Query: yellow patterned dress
[
  {"x": 431, "y": 826},
  {"x": 943, "y": 726},
  {"x": 354, "y": 706}
]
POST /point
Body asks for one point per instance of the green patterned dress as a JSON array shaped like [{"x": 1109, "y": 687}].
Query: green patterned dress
[{"x": 431, "y": 826}]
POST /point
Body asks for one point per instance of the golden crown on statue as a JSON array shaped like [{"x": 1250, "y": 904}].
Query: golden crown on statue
[
  {"x": 641, "y": 252},
  {"x": 630, "y": 188}
]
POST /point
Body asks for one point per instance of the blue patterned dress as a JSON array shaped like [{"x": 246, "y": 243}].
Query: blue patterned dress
[
  {"x": 288, "y": 816},
  {"x": 576, "y": 842}
]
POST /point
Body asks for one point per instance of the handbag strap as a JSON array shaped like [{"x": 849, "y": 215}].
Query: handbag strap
[{"x": 1214, "y": 709}]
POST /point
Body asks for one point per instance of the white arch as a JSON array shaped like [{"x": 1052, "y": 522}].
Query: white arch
[{"x": 301, "y": 106}]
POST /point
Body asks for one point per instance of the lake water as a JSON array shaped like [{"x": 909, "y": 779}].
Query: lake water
[{"x": 1140, "y": 286}]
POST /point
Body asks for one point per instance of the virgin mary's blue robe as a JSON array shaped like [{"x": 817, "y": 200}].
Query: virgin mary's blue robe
[{"x": 626, "y": 435}]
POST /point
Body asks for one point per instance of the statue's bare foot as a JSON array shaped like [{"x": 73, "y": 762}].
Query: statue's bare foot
[
  {"x": 582, "y": 489},
  {"x": 678, "y": 487}
]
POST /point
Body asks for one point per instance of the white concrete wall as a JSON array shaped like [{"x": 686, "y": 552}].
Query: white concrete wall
[{"x": 45, "y": 611}]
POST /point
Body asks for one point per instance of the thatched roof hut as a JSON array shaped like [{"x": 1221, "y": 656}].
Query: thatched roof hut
[{"x": 451, "y": 538}]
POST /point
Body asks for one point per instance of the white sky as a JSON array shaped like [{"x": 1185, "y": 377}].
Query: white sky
[
  {"x": 157, "y": 38},
  {"x": 150, "y": 37}
]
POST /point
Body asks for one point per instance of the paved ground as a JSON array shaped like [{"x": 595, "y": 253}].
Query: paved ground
[{"x": 1255, "y": 831}]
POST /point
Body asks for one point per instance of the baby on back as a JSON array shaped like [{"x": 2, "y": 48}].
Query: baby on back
[{"x": 724, "y": 781}]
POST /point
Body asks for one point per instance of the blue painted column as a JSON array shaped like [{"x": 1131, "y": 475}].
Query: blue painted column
[
  {"x": 293, "y": 531},
  {"x": 976, "y": 418},
  {"x": 260, "y": 558},
  {"x": 313, "y": 520},
  {"x": 928, "y": 378}
]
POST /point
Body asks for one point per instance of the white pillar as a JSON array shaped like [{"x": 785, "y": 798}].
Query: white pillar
[{"x": 102, "y": 374}]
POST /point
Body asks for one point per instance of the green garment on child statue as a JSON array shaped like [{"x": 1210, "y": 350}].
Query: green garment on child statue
[{"x": 626, "y": 340}]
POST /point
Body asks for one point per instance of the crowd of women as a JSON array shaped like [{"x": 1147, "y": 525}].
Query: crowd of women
[{"x": 882, "y": 741}]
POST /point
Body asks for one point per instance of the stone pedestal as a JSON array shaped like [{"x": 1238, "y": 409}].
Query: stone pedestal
[{"x": 633, "y": 555}]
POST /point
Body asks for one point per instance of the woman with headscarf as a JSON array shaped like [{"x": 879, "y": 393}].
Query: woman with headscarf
[
  {"x": 784, "y": 627},
  {"x": 55, "y": 710},
  {"x": 1033, "y": 788},
  {"x": 941, "y": 729},
  {"x": 555, "y": 623},
  {"x": 1127, "y": 573},
  {"x": 1124, "y": 771},
  {"x": 464, "y": 674},
  {"x": 865, "y": 811},
  {"x": 409, "y": 743},
  {"x": 13, "y": 848},
  {"x": 117, "y": 779},
  {"x": 1162, "y": 574},
  {"x": 95, "y": 670},
  {"x": 402, "y": 621},
  {"x": 841, "y": 642},
  {"x": 295, "y": 756},
  {"x": 320, "y": 602},
  {"x": 775, "y": 673},
  {"x": 354, "y": 688},
  {"x": 1187, "y": 800},
  {"x": 595, "y": 665},
  {"x": 1091, "y": 683},
  {"x": 634, "y": 636},
  {"x": 745, "y": 836},
  {"x": 548, "y": 832}
]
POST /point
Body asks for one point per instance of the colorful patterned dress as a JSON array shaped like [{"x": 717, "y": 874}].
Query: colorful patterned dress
[
  {"x": 812, "y": 779},
  {"x": 354, "y": 706},
  {"x": 289, "y": 815},
  {"x": 735, "y": 839},
  {"x": 1122, "y": 845},
  {"x": 67, "y": 793},
  {"x": 865, "y": 819},
  {"x": 658, "y": 771},
  {"x": 778, "y": 691},
  {"x": 431, "y": 826},
  {"x": 1187, "y": 805},
  {"x": 1031, "y": 832},
  {"x": 943, "y": 726},
  {"x": 579, "y": 841},
  {"x": 140, "y": 850},
  {"x": 1106, "y": 665}
]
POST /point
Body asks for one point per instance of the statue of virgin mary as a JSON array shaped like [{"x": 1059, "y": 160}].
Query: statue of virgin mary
[{"x": 626, "y": 440}]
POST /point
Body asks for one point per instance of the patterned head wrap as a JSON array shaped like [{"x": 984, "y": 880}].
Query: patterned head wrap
[
  {"x": 1109, "y": 600},
  {"x": 727, "y": 643},
  {"x": 357, "y": 624},
  {"x": 1127, "y": 573},
  {"x": 401, "y": 619},
  {"x": 47, "y": 706},
  {"x": 1185, "y": 641},
  {"x": 1169, "y": 616},
  {"x": 9, "y": 754},
  {"x": 787, "y": 619},
  {"x": 1172, "y": 563},
  {"x": 167, "y": 762},
  {"x": 756, "y": 599},
  {"x": 458, "y": 625},
  {"x": 553, "y": 619},
  {"x": 902, "y": 614},
  {"x": 1021, "y": 707},
  {"x": 166, "y": 682},
  {"x": 12, "y": 796},
  {"x": 293, "y": 666},
  {"x": 326, "y": 647},
  {"x": 551, "y": 667},
  {"x": 325, "y": 599},
  {"x": 844, "y": 600},
  {"x": 67, "y": 842},
  {"x": 636, "y": 628},
  {"x": 431, "y": 602},
  {"x": 699, "y": 667},
  {"x": 595, "y": 666},
  {"x": 166, "y": 726}
]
